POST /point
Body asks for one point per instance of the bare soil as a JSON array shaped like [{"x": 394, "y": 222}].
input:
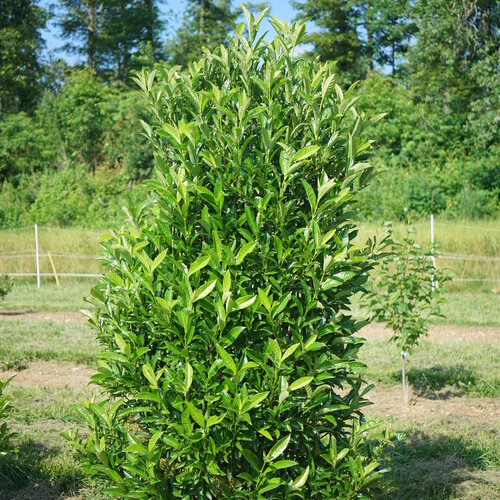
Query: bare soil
[
  {"x": 388, "y": 402},
  {"x": 56, "y": 317},
  {"x": 51, "y": 374},
  {"x": 377, "y": 331}
]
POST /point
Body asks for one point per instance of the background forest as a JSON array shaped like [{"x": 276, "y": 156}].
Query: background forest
[{"x": 71, "y": 144}]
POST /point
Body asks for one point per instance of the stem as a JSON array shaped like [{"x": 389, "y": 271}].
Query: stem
[{"x": 404, "y": 378}]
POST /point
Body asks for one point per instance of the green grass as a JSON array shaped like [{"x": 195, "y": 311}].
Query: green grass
[
  {"x": 69, "y": 296},
  {"x": 469, "y": 308},
  {"x": 460, "y": 237},
  {"x": 43, "y": 465},
  {"x": 451, "y": 457},
  {"x": 22, "y": 342},
  {"x": 465, "y": 237},
  {"x": 460, "y": 367},
  {"x": 17, "y": 250}
]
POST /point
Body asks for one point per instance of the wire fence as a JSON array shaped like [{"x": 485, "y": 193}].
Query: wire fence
[{"x": 30, "y": 257}]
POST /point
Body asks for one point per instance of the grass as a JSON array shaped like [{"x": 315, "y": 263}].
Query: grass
[
  {"x": 451, "y": 457},
  {"x": 69, "y": 296},
  {"x": 23, "y": 341},
  {"x": 17, "y": 250},
  {"x": 479, "y": 308},
  {"x": 469, "y": 309},
  {"x": 444, "y": 456},
  {"x": 465, "y": 237},
  {"x": 455, "y": 366}
]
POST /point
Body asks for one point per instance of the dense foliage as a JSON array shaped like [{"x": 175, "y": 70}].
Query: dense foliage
[
  {"x": 431, "y": 65},
  {"x": 229, "y": 357},
  {"x": 5, "y": 408},
  {"x": 6, "y": 284}
]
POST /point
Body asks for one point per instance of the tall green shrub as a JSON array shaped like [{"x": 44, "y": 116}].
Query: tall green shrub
[{"x": 229, "y": 353}]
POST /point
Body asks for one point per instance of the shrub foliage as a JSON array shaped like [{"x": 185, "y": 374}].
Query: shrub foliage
[{"x": 230, "y": 356}]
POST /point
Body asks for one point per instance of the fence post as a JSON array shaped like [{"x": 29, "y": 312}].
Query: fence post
[
  {"x": 434, "y": 283},
  {"x": 53, "y": 268},
  {"x": 37, "y": 258}
]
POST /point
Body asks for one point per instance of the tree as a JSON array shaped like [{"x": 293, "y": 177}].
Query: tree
[
  {"x": 206, "y": 24},
  {"x": 21, "y": 43},
  {"x": 337, "y": 37},
  {"x": 229, "y": 359},
  {"x": 406, "y": 294},
  {"x": 81, "y": 24},
  {"x": 390, "y": 28},
  {"x": 453, "y": 39},
  {"x": 110, "y": 32}
]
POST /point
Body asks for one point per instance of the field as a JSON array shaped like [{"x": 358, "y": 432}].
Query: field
[{"x": 452, "y": 448}]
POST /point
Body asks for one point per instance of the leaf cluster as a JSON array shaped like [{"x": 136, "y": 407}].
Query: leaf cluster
[
  {"x": 6, "y": 284},
  {"x": 229, "y": 354},
  {"x": 5, "y": 407},
  {"x": 406, "y": 291}
]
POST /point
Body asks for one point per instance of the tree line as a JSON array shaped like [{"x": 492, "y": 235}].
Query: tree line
[{"x": 432, "y": 65}]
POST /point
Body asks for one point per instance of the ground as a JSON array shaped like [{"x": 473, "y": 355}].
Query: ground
[{"x": 452, "y": 446}]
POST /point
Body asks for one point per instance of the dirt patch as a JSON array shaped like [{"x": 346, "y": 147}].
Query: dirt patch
[
  {"x": 42, "y": 490},
  {"x": 388, "y": 402},
  {"x": 56, "y": 317},
  {"x": 51, "y": 374},
  {"x": 377, "y": 331}
]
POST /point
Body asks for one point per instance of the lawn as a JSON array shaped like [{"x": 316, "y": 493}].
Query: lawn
[{"x": 451, "y": 450}]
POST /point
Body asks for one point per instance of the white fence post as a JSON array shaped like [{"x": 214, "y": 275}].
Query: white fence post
[
  {"x": 434, "y": 283},
  {"x": 37, "y": 258}
]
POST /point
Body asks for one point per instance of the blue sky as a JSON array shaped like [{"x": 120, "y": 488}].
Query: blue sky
[{"x": 279, "y": 8}]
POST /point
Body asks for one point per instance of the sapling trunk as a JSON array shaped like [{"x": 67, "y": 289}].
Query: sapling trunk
[{"x": 404, "y": 377}]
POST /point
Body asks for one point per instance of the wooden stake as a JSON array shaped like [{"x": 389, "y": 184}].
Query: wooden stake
[{"x": 53, "y": 268}]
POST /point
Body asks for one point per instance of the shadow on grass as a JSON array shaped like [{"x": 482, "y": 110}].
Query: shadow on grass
[
  {"x": 459, "y": 379},
  {"x": 436, "y": 467},
  {"x": 22, "y": 475}
]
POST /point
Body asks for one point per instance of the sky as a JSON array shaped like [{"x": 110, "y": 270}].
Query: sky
[{"x": 279, "y": 8}]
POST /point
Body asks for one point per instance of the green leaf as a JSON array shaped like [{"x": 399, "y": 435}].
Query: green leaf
[
  {"x": 203, "y": 290},
  {"x": 290, "y": 351},
  {"x": 301, "y": 382},
  {"x": 244, "y": 302},
  {"x": 283, "y": 464},
  {"x": 135, "y": 448},
  {"x": 301, "y": 480},
  {"x": 226, "y": 282},
  {"x": 278, "y": 449},
  {"x": 264, "y": 300},
  {"x": 199, "y": 264},
  {"x": 153, "y": 440},
  {"x": 232, "y": 335},
  {"x": 255, "y": 400},
  {"x": 158, "y": 260},
  {"x": 148, "y": 396},
  {"x": 226, "y": 359},
  {"x": 304, "y": 153},
  {"x": 149, "y": 373},
  {"x": 214, "y": 420},
  {"x": 310, "y": 194},
  {"x": 244, "y": 251},
  {"x": 188, "y": 377},
  {"x": 196, "y": 414},
  {"x": 252, "y": 459}
]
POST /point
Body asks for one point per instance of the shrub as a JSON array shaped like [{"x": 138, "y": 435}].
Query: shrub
[
  {"x": 229, "y": 356},
  {"x": 5, "y": 407},
  {"x": 6, "y": 284}
]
